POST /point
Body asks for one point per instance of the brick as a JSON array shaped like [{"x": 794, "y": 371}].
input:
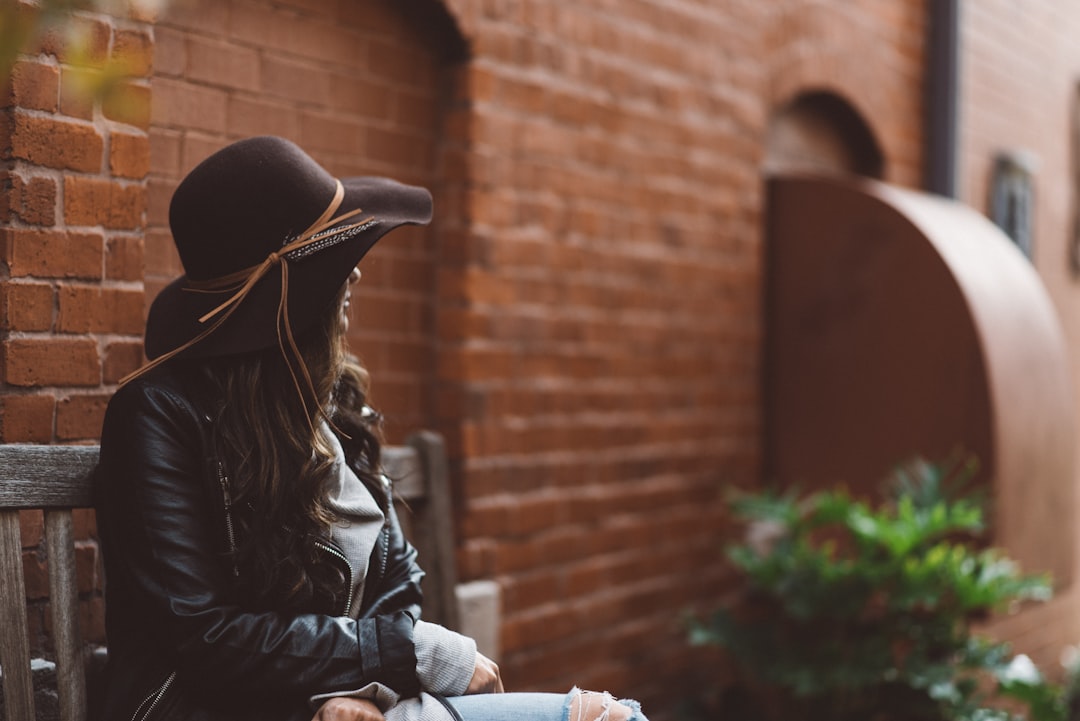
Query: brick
[
  {"x": 92, "y": 620},
  {"x": 129, "y": 155},
  {"x": 124, "y": 258},
  {"x": 197, "y": 148},
  {"x": 82, "y": 41},
  {"x": 186, "y": 106},
  {"x": 399, "y": 63},
  {"x": 84, "y": 524},
  {"x": 86, "y": 567},
  {"x": 159, "y": 192},
  {"x": 37, "y": 204},
  {"x": 96, "y": 201},
  {"x": 51, "y": 362},
  {"x": 397, "y": 148},
  {"x": 35, "y": 86},
  {"x": 77, "y": 91},
  {"x": 160, "y": 256},
  {"x": 35, "y": 574},
  {"x": 7, "y": 132},
  {"x": 247, "y": 116},
  {"x": 205, "y": 17},
  {"x": 294, "y": 81},
  {"x": 320, "y": 131},
  {"x": 121, "y": 358},
  {"x": 363, "y": 97},
  {"x": 79, "y": 418},
  {"x": 26, "y": 418},
  {"x": 165, "y": 146},
  {"x": 170, "y": 51},
  {"x": 154, "y": 286},
  {"x": 30, "y": 199},
  {"x": 213, "y": 62},
  {"x": 133, "y": 52},
  {"x": 8, "y": 198},
  {"x": 26, "y": 306},
  {"x": 31, "y": 525},
  {"x": 93, "y": 309},
  {"x": 384, "y": 20},
  {"x": 477, "y": 559},
  {"x": 128, "y": 102},
  {"x": 286, "y": 33},
  {"x": 418, "y": 112},
  {"x": 386, "y": 313},
  {"x": 52, "y": 254},
  {"x": 541, "y": 587},
  {"x": 57, "y": 143}
]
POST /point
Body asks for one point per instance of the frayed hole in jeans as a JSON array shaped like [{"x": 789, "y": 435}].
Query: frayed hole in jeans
[{"x": 597, "y": 706}]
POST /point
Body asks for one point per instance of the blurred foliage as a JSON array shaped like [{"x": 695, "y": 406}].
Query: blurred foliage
[
  {"x": 21, "y": 25},
  {"x": 24, "y": 24},
  {"x": 851, "y": 612}
]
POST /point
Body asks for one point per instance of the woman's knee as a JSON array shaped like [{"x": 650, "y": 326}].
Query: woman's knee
[{"x": 594, "y": 706}]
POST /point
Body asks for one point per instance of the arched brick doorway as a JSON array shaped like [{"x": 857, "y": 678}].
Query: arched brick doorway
[
  {"x": 360, "y": 85},
  {"x": 822, "y": 132}
]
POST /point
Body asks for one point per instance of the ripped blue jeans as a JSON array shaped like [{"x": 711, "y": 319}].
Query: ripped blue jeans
[{"x": 541, "y": 706}]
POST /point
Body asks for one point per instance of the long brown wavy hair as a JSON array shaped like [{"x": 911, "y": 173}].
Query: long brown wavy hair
[{"x": 279, "y": 467}]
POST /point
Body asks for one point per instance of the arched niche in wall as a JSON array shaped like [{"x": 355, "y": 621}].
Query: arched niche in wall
[
  {"x": 363, "y": 86},
  {"x": 411, "y": 58},
  {"x": 820, "y": 132},
  {"x": 901, "y": 324}
]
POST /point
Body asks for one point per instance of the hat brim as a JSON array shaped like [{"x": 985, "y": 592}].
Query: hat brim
[{"x": 314, "y": 281}]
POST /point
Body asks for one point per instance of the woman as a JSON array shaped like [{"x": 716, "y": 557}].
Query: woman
[{"x": 255, "y": 568}]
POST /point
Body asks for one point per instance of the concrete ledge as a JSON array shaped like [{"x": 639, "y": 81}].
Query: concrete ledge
[{"x": 480, "y": 608}]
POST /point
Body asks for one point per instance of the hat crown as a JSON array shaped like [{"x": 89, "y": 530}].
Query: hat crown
[
  {"x": 239, "y": 206},
  {"x": 244, "y": 202}
]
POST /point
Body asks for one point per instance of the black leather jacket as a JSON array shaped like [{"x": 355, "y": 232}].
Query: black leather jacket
[{"x": 179, "y": 640}]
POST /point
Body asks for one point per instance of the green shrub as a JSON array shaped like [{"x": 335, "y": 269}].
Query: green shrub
[{"x": 853, "y": 612}]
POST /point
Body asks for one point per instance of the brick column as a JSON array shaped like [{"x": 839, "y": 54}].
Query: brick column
[{"x": 72, "y": 211}]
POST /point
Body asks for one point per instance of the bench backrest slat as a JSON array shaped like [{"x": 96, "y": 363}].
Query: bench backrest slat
[
  {"x": 58, "y": 479},
  {"x": 14, "y": 632},
  {"x": 64, "y": 597},
  {"x": 46, "y": 476}
]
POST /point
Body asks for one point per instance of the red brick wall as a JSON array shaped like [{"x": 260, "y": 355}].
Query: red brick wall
[
  {"x": 72, "y": 201},
  {"x": 602, "y": 339},
  {"x": 583, "y": 321}
]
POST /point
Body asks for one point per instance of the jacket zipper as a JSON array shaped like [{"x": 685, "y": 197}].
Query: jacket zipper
[
  {"x": 224, "y": 481},
  {"x": 386, "y": 527},
  {"x": 385, "y": 550},
  {"x": 153, "y": 699},
  {"x": 338, "y": 554}
]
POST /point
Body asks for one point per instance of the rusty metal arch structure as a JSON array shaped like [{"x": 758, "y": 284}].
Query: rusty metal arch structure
[{"x": 903, "y": 324}]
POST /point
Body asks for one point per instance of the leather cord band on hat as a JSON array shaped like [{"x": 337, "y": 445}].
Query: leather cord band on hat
[{"x": 322, "y": 233}]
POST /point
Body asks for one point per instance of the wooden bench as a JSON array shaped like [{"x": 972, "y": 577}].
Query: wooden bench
[{"x": 57, "y": 480}]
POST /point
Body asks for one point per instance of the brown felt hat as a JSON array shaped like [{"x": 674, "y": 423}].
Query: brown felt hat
[{"x": 239, "y": 217}]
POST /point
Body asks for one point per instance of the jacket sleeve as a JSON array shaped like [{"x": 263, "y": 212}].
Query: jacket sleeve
[{"x": 166, "y": 566}]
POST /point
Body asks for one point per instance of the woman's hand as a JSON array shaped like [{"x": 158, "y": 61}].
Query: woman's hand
[
  {"x": 485, "y": 678},
  {"x": 345, "y": 708}
]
